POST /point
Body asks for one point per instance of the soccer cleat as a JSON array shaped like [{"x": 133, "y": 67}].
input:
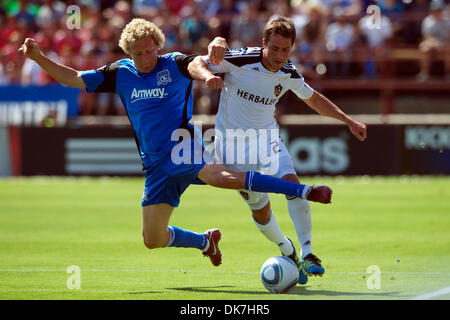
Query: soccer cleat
[
  {"x": 312, "y": 265},
  {"x": 213, "y": 251},
  {"x": 302, "y": 276},
  {"x": 320, "y": 194}
]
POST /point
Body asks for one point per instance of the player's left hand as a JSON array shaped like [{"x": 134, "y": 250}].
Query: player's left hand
[
  {"x": 214, "y": 82},
  {"x": 217, "y": 49},
  {"x": 358, "y": 129}
]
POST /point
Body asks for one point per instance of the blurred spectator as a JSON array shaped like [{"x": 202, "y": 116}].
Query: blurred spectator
[
  {"x": 175, "y": 6},
  {"x": 436, "y": 40},
  {"x": 2, "y": 14},
  {"x": 94, "y": 51},
  {"x": 262, "y": 8},
  {"x": 279, "y": 8},
  {"x": 189, "y": 26},
  {"x": 223, "y": 18},
  {"x": 340, "y": 36},
  {"x": 50, "y": 12},
  {"x": 246, "y": 29},
  {"x": 394, "y": 10},
  {"x": 9, "y": 26},
  {"x": 365, "y": 4},
  {"x": 66, "y": 39},
  {"x": 311, "y": 43},
  {"x": 375, "y": 40},
  {"x": 24, "y": 14},
  {"x": 4, "y": 80},
  {"x": 391, "y": 8},
  {"x": 210, "y": 7},
  {"x": 170, "y": 26},
  {"x": 11, "y": 61},
  {"x": 348, "y": 8},
  {"x": 194, "y": 27},
  {"x": 11, "y": 37},
  {"x": 118, "y": 15},
  {"x": 415, "y": 12},
  {"x": 284, "y": 8},
  {"x": 147, "y": 8}
]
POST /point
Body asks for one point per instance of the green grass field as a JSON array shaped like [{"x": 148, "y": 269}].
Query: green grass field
[{"x": 49, "y": 224}]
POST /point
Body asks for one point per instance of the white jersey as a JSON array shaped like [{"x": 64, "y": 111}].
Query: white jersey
[{"x": 251, "y": 92}]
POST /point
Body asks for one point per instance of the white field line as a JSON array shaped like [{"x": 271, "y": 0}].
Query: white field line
[
  {"x": 425, "y": 296},
  {"x": 126, "y": 270},
  {"x": 434, "y": 294},
  {"x": 205, "y": 271}
]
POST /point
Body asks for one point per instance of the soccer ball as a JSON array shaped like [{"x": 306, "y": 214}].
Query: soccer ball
[{"x": 279, "y": 274}]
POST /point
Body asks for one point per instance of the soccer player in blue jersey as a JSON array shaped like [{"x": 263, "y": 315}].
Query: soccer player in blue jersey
[{"x": 156, "y": 91}]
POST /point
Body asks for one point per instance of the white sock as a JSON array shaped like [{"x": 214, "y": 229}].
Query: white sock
[
  {"x": 272, "y": 232},
  {"x": 300, "y": 212}
]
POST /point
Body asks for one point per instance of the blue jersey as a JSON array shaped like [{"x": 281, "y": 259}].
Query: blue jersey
[{"x": 157, "y": 103}]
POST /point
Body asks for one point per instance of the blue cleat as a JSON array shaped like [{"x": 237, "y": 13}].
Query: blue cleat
[
  {"x": 303, "y": 277},
  {"x": 312, "y": 265}
]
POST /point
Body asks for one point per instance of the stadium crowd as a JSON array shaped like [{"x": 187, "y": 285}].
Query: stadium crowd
[{"x": 335, "y": 38}]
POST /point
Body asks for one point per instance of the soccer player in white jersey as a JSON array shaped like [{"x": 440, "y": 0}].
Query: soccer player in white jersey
[{"x": 254, "y": 81}]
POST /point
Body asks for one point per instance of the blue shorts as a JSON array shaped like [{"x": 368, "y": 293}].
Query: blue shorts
[{"x": 166, "y": 181}]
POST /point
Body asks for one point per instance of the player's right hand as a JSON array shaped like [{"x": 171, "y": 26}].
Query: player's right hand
[
  {"x": 214, "y": 83},
  {"x": 30, "y": 49},
  {"x": 217, "y": 49},
  {"x": 358, "y": 129}
]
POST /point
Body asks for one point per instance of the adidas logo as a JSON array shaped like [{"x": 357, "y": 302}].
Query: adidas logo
[{"x": 307, "y": 243}]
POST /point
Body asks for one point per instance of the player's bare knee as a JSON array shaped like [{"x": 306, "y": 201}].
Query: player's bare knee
[{"x": 152, "y": 242}]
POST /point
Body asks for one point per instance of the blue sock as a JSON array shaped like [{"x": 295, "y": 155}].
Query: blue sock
[
  {"x": 254, "y": 181},
  {"x": 186, "y": 239}
]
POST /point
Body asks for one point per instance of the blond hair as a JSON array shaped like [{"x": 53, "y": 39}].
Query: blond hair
[{"x": 137, "y": 29}]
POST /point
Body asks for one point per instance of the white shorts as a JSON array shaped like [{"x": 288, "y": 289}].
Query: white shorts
[{"x": 277, "y": 163}]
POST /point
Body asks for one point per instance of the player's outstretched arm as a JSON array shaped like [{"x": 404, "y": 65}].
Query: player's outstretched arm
[
  {"x": 198, "y": 69},
  {"x": 61, "y": 73},
  {"x": 325, "y": 107}
]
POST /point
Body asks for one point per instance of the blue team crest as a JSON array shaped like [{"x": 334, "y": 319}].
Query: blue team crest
[{"x": 163, "y": 77}]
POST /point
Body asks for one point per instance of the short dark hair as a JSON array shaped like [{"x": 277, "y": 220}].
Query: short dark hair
[{"x": 282, "y": 26}]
